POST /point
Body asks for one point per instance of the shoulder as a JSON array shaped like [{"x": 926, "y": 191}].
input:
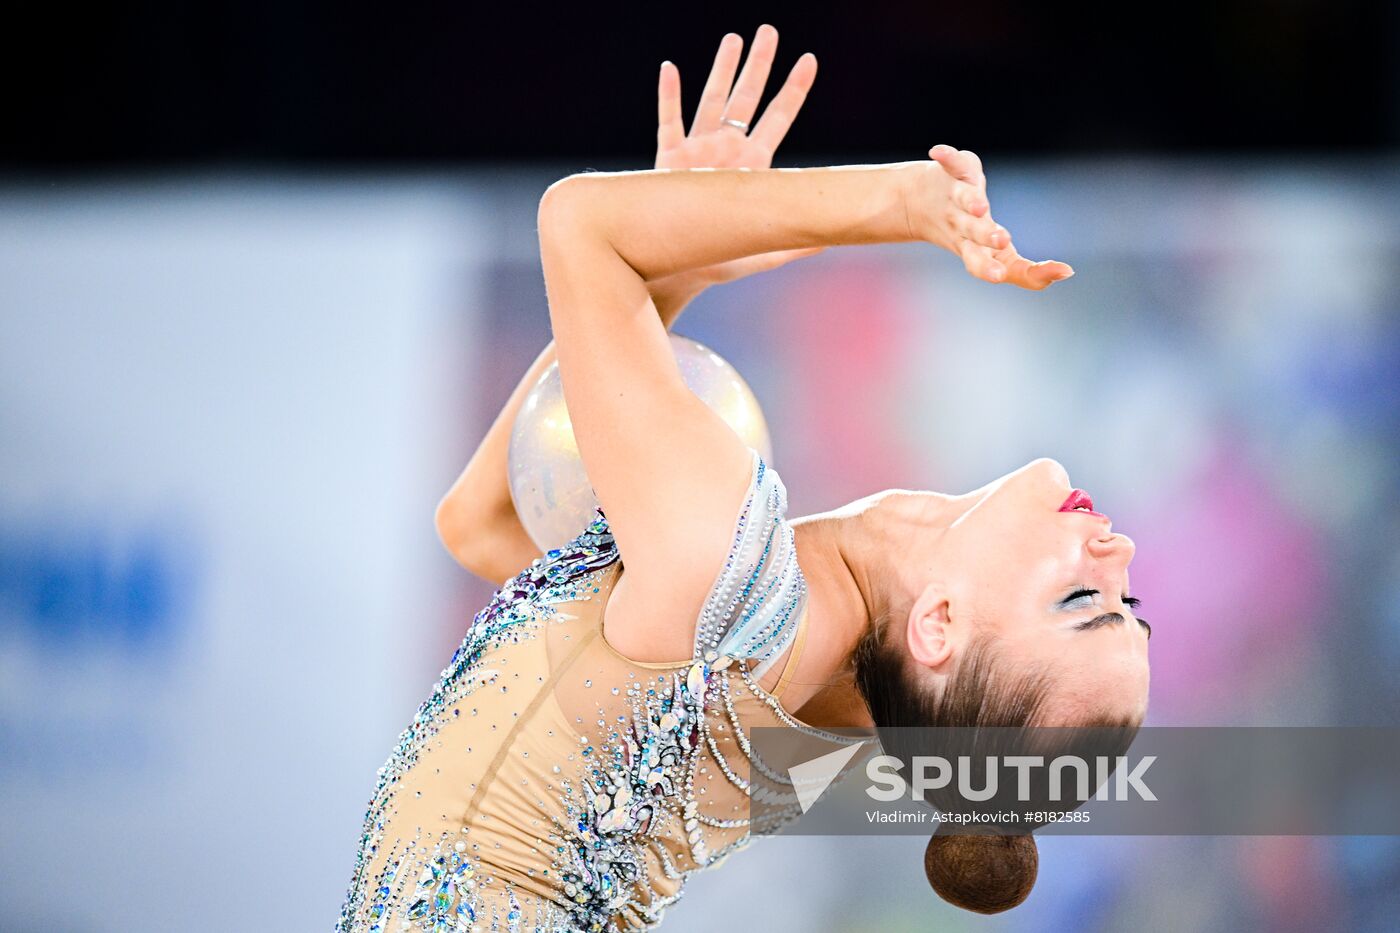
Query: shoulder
[
  {"x": 749, "y": 595},
  {"x": 758, "y": 596}
]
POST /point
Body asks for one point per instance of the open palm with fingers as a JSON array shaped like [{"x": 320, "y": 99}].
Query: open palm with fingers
[{"x": 721, "y": 135}]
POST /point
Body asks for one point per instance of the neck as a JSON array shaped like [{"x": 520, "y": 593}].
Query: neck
[{"x": 861, "y": 562}]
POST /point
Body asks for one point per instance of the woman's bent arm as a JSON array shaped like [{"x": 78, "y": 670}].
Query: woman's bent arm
[
  {"x": 662, "y": 222},
  {"x": 476, "y": 519},
  {"x": 669, "y": 473}
]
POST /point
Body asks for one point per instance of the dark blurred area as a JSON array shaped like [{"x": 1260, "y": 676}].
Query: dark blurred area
[{"x": 151, "y": 84}]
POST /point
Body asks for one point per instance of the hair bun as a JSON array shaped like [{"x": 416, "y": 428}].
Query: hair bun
[{"x": 987, "y": 874}]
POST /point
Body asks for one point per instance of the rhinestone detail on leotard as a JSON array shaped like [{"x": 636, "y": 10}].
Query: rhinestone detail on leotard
[{"x": 631, "y": 790}]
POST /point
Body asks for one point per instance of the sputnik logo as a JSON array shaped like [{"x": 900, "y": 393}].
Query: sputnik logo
[{"x": 811, "y": 778}]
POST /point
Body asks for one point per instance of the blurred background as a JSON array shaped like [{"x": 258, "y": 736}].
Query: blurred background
[{"x": 268, "y": 271}]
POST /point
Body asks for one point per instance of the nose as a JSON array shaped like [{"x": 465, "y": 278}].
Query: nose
[
  {"x": 1052, "y": 469},
  {"x": 1117, "y": 548}
]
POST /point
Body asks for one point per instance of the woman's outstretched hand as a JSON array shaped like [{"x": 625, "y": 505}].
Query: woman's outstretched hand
[
  {"x": 947, "y": 205},
  {"x": 713, "y": 143}
]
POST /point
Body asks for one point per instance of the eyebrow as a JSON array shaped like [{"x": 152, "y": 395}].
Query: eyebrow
[
  {"x": 1108, "y": 618},
  {"x": 1099, "y": 621}
]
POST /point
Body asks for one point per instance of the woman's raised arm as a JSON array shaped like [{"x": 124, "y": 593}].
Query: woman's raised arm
[
  {"x": 669, "y": 473},
  {"x": 663, "y": 222},
  {"x": 476, "y": 519}
]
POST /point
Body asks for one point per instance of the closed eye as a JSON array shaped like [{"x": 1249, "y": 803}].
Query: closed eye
[
  {"x": 1078, "y": 594},
  {"x": 1107, "y": 618}
]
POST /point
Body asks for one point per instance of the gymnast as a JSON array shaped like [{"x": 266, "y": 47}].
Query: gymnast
[{"x": 586, "y": 747}]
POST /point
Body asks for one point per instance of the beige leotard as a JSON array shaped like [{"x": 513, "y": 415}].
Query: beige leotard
[{"x": 549, "y": 783}]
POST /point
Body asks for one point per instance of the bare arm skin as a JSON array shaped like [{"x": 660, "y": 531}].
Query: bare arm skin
[
  {"x": 476, "y": 519},
  {"x": 669, "y": 473}
]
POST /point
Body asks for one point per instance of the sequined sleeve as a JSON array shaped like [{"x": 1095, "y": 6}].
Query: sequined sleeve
[{"x": 754, "y": 606}]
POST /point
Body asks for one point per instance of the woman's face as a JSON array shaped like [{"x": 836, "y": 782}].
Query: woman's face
[{"x": 1050, "y": 585}]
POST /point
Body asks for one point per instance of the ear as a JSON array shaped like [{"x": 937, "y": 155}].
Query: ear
[{"x": 930, "y": 632}]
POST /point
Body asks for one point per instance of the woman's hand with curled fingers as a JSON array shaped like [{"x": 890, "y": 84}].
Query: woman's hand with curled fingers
[{"x": 946, "y": 204}]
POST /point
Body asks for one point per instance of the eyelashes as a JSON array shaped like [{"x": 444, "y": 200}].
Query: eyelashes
[{"x": 1132, "y": 602}]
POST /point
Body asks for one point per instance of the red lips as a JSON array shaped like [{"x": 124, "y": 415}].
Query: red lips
[
  {"x": 1077, "y": 498},
  {"x": 1079, "y": 501}
]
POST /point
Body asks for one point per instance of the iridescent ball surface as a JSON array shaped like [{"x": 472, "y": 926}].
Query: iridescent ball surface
[{"x": 548, "y": 482}]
